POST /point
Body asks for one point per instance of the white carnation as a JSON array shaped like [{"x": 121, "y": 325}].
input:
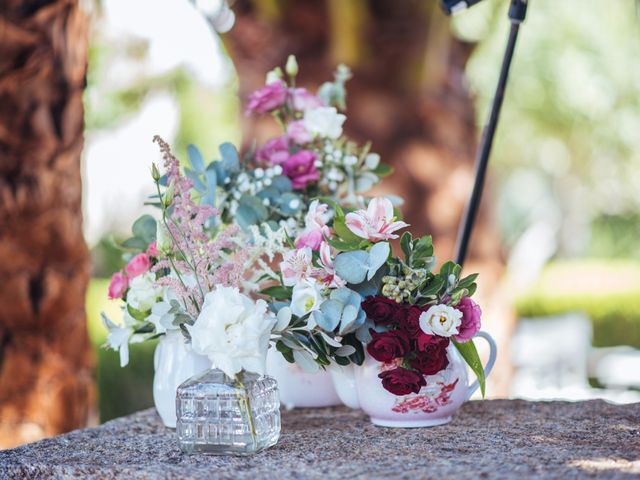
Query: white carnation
[
  {"x": 232, "y": 331},
  {"x": 324, "y": 121}
]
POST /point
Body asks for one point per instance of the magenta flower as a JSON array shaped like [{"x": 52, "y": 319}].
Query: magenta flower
[
  {"x": 303, "y": 100},
  {"x": 375, "y": 223},
  {"x": 118, "y": 286},
  {"x": 152, "y": 250},
  {"x": 138, "y": 265},
  {"x": 298, "y": 133},
  {"x": 274, "y": 152},
  {"x": 301, "y": 169},
  {"x": 267, "y": 98},
  {"x": 470, "y": 325}
]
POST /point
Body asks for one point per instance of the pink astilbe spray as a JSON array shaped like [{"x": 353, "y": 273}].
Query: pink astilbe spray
[{"x": 197, "y": 262}]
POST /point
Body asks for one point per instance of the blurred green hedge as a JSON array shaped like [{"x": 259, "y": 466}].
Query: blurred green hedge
[{"x": 608, "y": 292}]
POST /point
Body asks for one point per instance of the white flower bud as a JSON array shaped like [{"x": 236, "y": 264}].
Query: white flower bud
[{"x": 292, "y": 66}]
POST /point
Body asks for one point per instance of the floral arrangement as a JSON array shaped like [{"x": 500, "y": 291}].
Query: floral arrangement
[
  {"x": 353, "y": 294},
  {"x": 208, "y": 266}
]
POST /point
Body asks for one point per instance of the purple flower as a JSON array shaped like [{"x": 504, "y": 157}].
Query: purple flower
[
  {"x": 298, "y": 133},
  {"x": 274, "y": 152},
  {"x": 301, "y": 169},
  {"x": 302, "y": 100},
  {"x": 267, "y": 98},
  {"x": 470, "y": 325}
]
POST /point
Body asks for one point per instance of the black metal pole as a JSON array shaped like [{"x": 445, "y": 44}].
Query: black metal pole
[{"x": 517, "y": 13}]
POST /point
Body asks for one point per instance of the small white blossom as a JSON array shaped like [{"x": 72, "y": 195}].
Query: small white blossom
[
  {"x": 441, "y": 320},
  {"x": 306, "y": 297}
]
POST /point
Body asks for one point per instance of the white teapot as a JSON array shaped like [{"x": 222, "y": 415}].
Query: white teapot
[{"x": 435, "y": 404}]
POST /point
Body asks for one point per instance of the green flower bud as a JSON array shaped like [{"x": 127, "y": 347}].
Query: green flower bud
[
  {"x": 155, "y": 173},
  {"x": 292, "y": 66}
]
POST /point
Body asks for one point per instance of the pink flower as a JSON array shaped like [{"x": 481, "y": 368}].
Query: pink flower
[
  {"x": 470, "y": 325},
  {"x": 375, "y": 223},
  {"x": 296, "y": 266},
  {"x": 267, "y": 98},
  {"x": 316, "y": 228},
  {"x": 327, "y": 274},
  {"x": 138, "y": 265},
  {"x": 274, "y": 152},
  {"x": 301, "y": 169},
  {"x": 118, "y": 286},
  {"x": 302, "y": 100},
  {"x": 152, "y": 250},
  {"x": 298, "y": 133}
]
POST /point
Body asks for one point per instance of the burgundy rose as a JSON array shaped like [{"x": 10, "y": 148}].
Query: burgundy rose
[
  {"x": 470, "y": 325},
  {"x": 382, "y": 310},
  {"x": 301, "y": 169},
  {"x": 386, "y": 346},
  {"x": 401, "y": 381},
  {"x": 410, "y": 321},
  {"x": 432, "y": 360},
  {"x": 425, "y": 341}
]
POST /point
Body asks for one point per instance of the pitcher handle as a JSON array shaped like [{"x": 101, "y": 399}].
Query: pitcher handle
[{"x": 493, "y": 349}]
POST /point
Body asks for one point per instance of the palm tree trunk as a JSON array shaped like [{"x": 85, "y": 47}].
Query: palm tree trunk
[
  {"x": 408, "y": 96},
  {"x": 46, "y": 384}
]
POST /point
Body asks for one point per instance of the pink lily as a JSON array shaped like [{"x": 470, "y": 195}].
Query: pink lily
[{"x": 376, "y": 223}]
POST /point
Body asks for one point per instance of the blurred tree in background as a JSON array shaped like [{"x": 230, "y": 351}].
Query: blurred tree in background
[{"x": 45, "y": 357}]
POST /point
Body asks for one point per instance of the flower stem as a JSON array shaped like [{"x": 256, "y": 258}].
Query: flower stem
[{"x": 247, "y": 404}]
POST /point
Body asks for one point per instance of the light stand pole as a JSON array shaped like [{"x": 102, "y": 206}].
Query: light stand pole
[{"x": 517, "y": 13}]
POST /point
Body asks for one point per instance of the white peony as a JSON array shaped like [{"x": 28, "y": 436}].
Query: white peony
[
  {"x": 324, "y": 121},
  {"x": 306, "y": 297},
  {"x": 441, "y": 320},
  {"x": 143, "y": 292},
  {"x": 233, "y": 331}
]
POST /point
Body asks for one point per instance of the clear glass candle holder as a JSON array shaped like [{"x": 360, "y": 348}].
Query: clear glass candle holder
[{"x": 219, "y": 415}]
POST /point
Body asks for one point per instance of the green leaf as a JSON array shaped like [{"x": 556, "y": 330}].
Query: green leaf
[
  {"x": 145, "y": 228},
  {"x": 134, "y": 243},
  {"x": 470, "y": 355},
  {"x": 278, "y": 292},
  {"x": 383, "y": 170},
  {"x": 137, "y": 314},
  {"x": 340, "y": 227},
  {"x": 286, "y": 352},
  {"x": 406, "y": 245}
]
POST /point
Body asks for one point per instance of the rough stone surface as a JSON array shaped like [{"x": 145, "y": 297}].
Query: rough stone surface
[{"x": 489, "y": 439}]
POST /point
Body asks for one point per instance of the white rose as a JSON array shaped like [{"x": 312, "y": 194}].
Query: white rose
[
  {"x": 441, "y": 320},
  {"x": 143, "y": 292},
  {"x": 324, "y": 121},
  {"x": 232, "y": 331},
  {"x": 306, "y": 297}
]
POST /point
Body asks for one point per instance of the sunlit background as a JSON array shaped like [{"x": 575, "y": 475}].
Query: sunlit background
[{"x": 565, "y": 174}]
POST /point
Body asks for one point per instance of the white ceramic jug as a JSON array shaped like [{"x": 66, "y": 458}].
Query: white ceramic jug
[
  {"x": 174, "y": 362},
  {"x": 435, "y": 404},
  {"x": 298, "y": 388}
]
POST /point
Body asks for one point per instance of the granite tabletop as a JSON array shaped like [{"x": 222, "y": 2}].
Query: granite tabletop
[{"x": 487, "y": 439}]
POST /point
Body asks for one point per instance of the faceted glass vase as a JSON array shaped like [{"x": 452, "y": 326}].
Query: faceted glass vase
[{"x": 219, "y": 415}]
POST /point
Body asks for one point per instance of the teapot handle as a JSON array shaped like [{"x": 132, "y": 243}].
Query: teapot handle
[{"x": 493, "y": 349}]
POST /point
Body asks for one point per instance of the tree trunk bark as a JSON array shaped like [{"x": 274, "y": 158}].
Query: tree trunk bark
[
  {"x": 46, "y": 384},
  {"x": 408, "y": 96}
]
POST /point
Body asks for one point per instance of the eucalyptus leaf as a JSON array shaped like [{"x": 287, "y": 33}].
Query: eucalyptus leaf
[
  {"x": 304, "y": 360},
  {"x": 195, "y": 158},
  {"x": 145, "y": 228},
  {"x": 230, "y": 159},
  {"x": 352, "y": 266},
  {"x": 377, "y": 257}
]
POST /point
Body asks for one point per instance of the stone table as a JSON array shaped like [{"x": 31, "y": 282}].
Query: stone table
[{"x": 488, "y": 439}]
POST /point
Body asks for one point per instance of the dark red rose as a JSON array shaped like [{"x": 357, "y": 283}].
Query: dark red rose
[
  {"x": 410, "y": 321},
  {"x": 386, "y": 346},
  {"x": 432, "y": 360},
  {"x": 382, "y": 310},
  {"x": 401, "y": 381},
  {"x": 425, "y": 340}
]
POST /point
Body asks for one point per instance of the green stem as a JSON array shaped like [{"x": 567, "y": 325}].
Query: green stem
[{"x": 247, "y": 404}]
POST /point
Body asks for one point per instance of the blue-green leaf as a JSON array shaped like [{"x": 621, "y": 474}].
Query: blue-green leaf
[
  {"x": 230, "y": 160},
  {"x": 195, "y": 158}
]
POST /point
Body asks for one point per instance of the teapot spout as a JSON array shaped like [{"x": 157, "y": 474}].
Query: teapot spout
[{"x": 344, "y": 381}]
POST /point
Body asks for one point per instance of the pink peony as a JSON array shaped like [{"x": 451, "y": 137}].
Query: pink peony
[
  {"x": 138, "y": 265},
  {"x": 375, "y": 223},
  {"x": 267, "y": 98},
  {"x": 298, "y": 133},
  {"x": 303, "y": 100},
  {"x": 118, "y": 286},
  {"x": 301, "y": 169},
  {"x": 470, "y": 325},
  {"x": 152, "y": 250},
  {"x": 274, "y": 152}
]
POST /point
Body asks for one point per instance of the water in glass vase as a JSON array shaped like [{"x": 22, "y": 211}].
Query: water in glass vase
[{"x": 219, "y": 415}]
